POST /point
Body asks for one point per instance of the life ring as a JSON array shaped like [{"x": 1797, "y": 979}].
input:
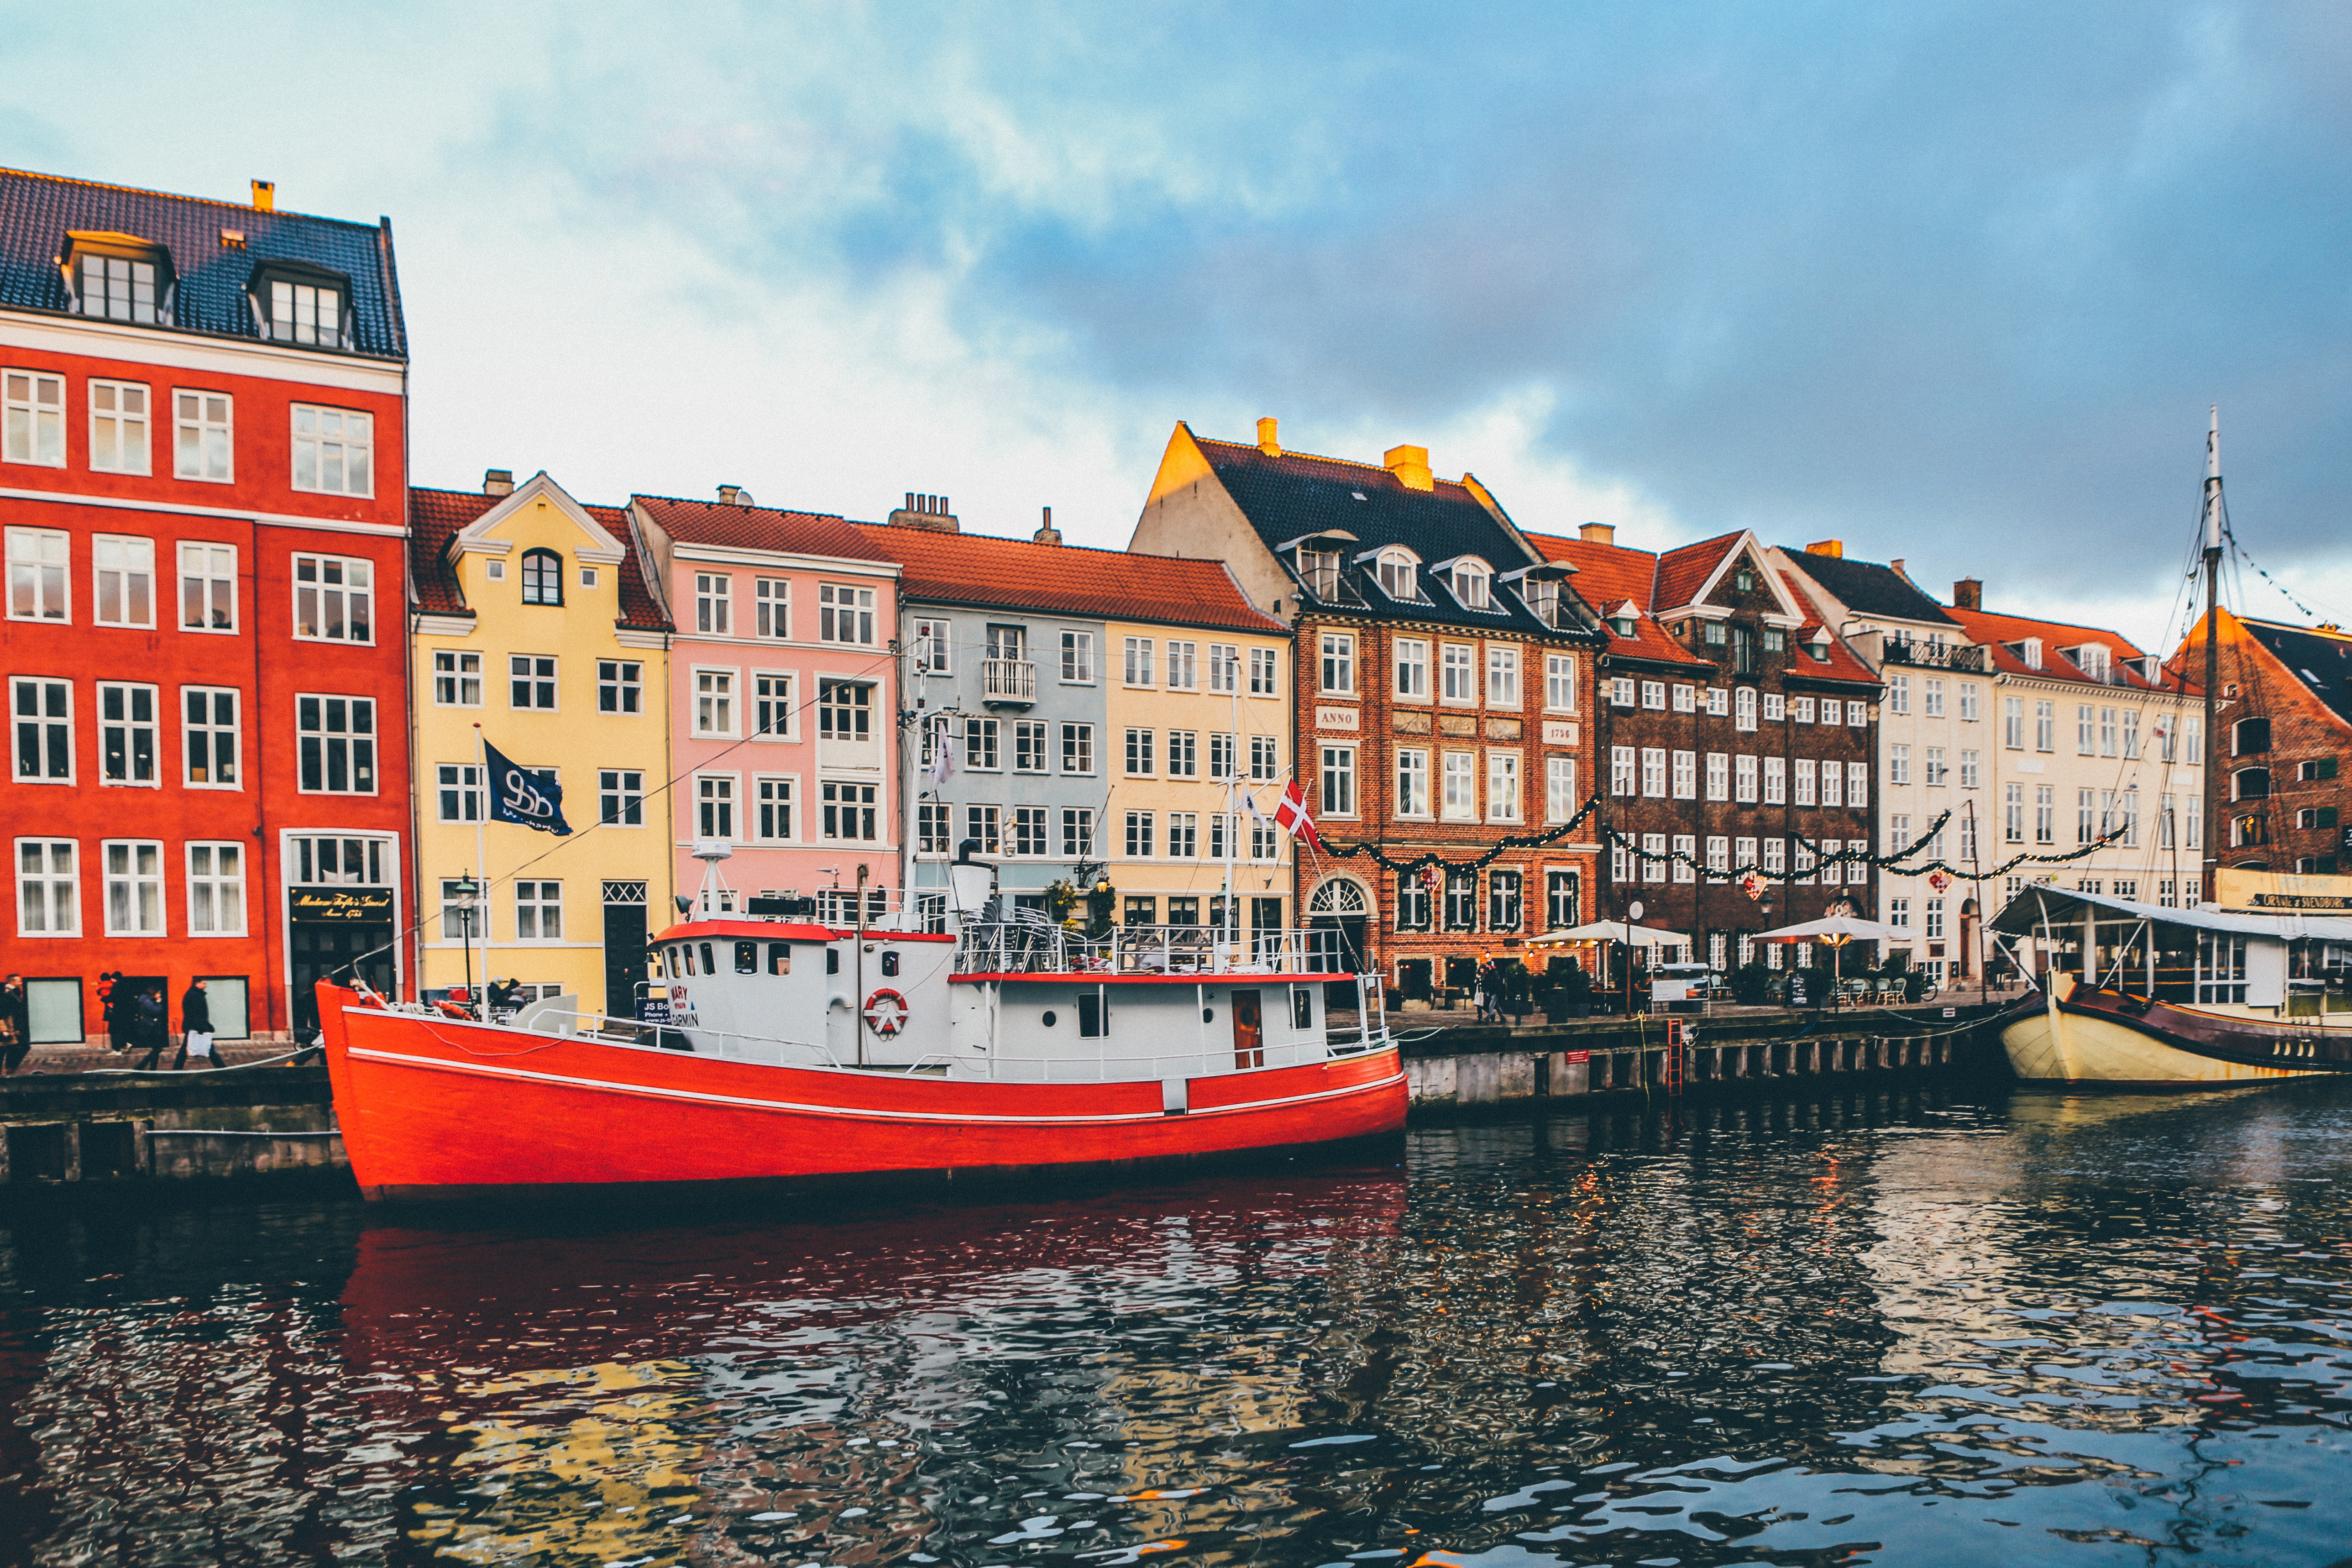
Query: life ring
[{"x": 885, "y": 1013}]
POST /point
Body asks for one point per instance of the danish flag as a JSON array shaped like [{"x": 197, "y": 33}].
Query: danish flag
[{"x": 1293, "y": 817}]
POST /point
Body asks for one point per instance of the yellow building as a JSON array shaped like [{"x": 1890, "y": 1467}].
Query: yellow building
[
  {"x": 1195, "y": 715},
  {"x": 531, "y": 625}
]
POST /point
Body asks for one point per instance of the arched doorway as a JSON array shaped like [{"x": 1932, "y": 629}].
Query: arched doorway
[{"x": 1337, "y": 914}]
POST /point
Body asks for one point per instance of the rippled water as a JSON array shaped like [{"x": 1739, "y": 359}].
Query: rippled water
[{"x": 2044, "y": 1328}]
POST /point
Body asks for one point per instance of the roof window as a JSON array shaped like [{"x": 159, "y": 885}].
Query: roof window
[
  {"x": 294, "y": 303},
  {"x": 1469, "y": 581},
  {"x": 1400, "y": 572},
  {"x": 118, "y": 278}
]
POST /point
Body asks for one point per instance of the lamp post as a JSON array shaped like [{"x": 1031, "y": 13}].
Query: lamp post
[{"x": 470, "y": 898}]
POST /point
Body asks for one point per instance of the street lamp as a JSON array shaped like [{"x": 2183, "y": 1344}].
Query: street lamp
[{"x": 468, "y": 895}]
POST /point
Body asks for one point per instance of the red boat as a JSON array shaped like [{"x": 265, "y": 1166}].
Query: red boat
[{"x": 778, "y": 1052}]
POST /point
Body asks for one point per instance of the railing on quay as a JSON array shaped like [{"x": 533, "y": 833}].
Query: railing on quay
[{"x": 1037, "y": 946}]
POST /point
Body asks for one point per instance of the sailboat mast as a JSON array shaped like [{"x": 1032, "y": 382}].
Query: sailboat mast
[{"x": 2213, "y": 646}]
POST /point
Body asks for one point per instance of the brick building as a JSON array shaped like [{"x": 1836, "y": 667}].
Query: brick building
[
  {"x": 1443, "y": 677},
  {"x": 2282, "y": 728},
  {"x": 205, "y": 500},
  {"x": 1735, "y": 729}
]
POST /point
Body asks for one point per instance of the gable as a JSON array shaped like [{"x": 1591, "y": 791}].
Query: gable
[{"x": 497, "y": 530}]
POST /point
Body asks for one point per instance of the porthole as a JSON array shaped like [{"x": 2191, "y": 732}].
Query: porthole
[{"x": 1049, "y": 1018}]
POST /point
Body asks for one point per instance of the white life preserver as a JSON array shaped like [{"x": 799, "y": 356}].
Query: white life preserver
[{"x": 885, "y": 1013}]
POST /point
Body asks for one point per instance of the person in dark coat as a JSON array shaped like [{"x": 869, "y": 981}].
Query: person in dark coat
[
  {"x": 196, "y": 1027},
  {"x": 147, "y": 1025},
  {"x": 15, "y": 1025},
  {"x": 111, "y": 1010}
]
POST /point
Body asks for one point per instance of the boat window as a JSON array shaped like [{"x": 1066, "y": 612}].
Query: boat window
[
  {"x": 780, "y": 958},
  {"x": 1091, "y": 1021},
  {"x": 687, "y": 949},
  {"x": 747, "y": 958},
  {"x": 653, "y": 964},
  {"x": 710, "y": 962},
  {"x": 1302, "y": 1007},
  {"x": 832, "y": 961},
  {"x": 891, "y": 965}
]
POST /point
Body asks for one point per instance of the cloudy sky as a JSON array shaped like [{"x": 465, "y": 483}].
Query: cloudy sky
[{"x": 1954, "y": 283}]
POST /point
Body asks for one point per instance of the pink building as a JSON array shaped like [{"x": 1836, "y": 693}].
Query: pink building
[{"x": 784, "y": 699}]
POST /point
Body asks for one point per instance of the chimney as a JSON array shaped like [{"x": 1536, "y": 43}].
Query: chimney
[
  {"x": 1046, "y": 533},
  {"x": 928, "y": 513},
  {"x": 265, "y": 195},
  {"x": 1832, "y": 548},
  {"x": 1895, "y": 566},
  {"x": 498, "y": 481},
  {"x": 734, "y": 495},
  {"x": 1411, "y": 466},
  {"x": 1266, "y": 442},
  {"x": 1968, "y": 594},
  {"x": 1598, "y": 533}
]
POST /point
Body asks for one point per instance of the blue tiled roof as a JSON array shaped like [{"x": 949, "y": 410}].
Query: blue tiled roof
[
  {"x": 2321, "y": 661},
  {"x": 37, "y": 211}
]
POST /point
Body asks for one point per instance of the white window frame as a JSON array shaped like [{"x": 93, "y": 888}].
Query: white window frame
[
  {"x": 772, "y": 792},
  {"x": 1686, "y": 775},
  {"x": 45, "y": 722},
  {"x": 121, "y": 419},
  {"x": 1718, "y": 775},
  {"x": 1409, "y": 669},
  {"x": 1336, "y": 664},
  {"x": 771, "y": 600},
  {"x": 450, "y": 673},
  {"x": 614, "y": 785},
  {"x": 1335, "y": 782},
  {"x": 1559, "y": 683},
  {"x": 934, "y": 645},
  {"x": 845, "y": 608},
  {"x": 1225, "y": 667},
  {"x": 715, "y": 701},
  {"x": 1560, "y": 789},
  {"x": 1078, "y": 740},
  {"x": 1413, "y": 800},
  {"x": 1743, "y": 778},
  {"x": 348, "y": 738},
  {"x": 1040, "y": 732},
  {"x": 360, "y": 593},
  {"x": 1503, "y": 789},
  {"x": 622, "y": 684},
  {"x": 1077, "y": 656},
  {"x": 717, "y": 797},
  {"x": 40, "y": 558},
  {"x": 145, "y": 888},
  {"x": 1457, "y": 786},
  {"x": 34, "y": 432},
  {"x": 1653, "y": 772},
  {"x": 460, "y": 785},
  {"x": 203, "y": 858},
  {"x": 1743, "y": 708},
  {"x": 130, "y": 727},
  {"x": 714, "y": 604},
  {"x": 1183, "y": 666},
  {"x": 1503, "y": 677},
  {"x": 531, "y": 896},
  {"x": 210, "y": 725},
  {"x": 204, "y": 447},
  {"x": 205, "y": 554},
  {"x": 60, "y": 892},
  {"x": 1265, "y": 672},
  {"x": 775, "y": 692},
  {"x": 1457, "y": 674},
  {"x": 346, "y": 434},
  {"x": 1137, "y": 655},
  {"x": 533, "y": 679}
]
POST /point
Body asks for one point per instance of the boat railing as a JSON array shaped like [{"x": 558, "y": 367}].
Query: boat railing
[{"x": 1039, "y": 946}]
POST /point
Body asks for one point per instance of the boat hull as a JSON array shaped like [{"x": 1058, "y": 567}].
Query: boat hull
[
  {"x": 433, "y": 1109},
  {"x": 2100, "y": 1037}
]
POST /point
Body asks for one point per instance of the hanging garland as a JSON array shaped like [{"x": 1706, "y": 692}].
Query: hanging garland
[{"x": 1608, "y": 835}]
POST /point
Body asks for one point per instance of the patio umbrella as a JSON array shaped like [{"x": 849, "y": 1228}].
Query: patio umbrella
[
  {"x": 1609, "y": 931},
  {"x": 1833, "y": 932}
]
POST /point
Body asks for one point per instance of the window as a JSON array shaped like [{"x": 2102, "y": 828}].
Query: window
[
  {"x": 48, "y": 898},
  {"x": 44, "y": 713},
  {"x": 1621, "y": 691},
  {"x": 1461, "y": 899},
  {"x": 539, "y": 911},
  {"x": 845, "y": 614},
  {"x": 1621, "y": 769},
  {"x": 1898, "y": 694},
  {"x": 771, "y": 810},
  {"x": 1804, "y": 782},
  {"x": 2315, "y": 816},
  {"x": 459, "y": 792},
  {"x": 1830, "y": 784},
  {"x": 1460, "y": 802},
  {"x": 335, "y": 741},
  {"x": 1224, "y": 668},
  {"x": 1775, "y": 781},
  {"x": 1183, "y": 836},
  {"x": 207, "y": 587},
  {"x": 1743, "y": 779},
  {"x": 2248, "y": 736},
  {"x": 1457, "y": 673},
  {"x": 1932, "y": 697},
  {"x": 334, "y": 452},
  {"x": 1262, "y": 672},
  {"x": 35, "y": 419},
  {"x": 1502, "y": 786},
  {"x": 2045, "y": 727},
  {"x": 981, "y": 752},
  {"x": 2045, "y": 813},
  {"x": 1400, "y": 575},
  {"x": 530, "y": 682},
  {"x": 2167, "y": 823},
  {"x": 2131, "y": 734},
  {"x": 1654, "y": 695},
  {"x": 1183, "y": 666},
  {"x": 1077, "y": 747},
  {"x": 1139, "y": 743},
  {"x": 2012, "y": 723},
  {"x": 1338, "y": 663},
  {"x": 1685, "y": 850},
  {"x": 542, "y": 577},
  {"x": 1719, "y": 701},
  {"x": 306, "y": 313},
  {"x": 1714, "y": 634},
  {"x": 126, "y": 735},
  {"x": 1686, "y": 775},
  {"x": 1266, "y": 757},
  {"x": 1077, "y": 833},
  {"x": 1139, "y": 834},
  {"x": 1136, "y": 668},
  {"x": 334, "y": 599},
  {"x": 771, "y": 600},
  {"x": 116, "y": 288},
  {"x": 1857, "y": 784},
  {"x": 1029, "y": 830},
  {"x": 1654, "y": 858},
  {"x": 1559, "y": 683},
  {"x": 619, "y": 687},
  {"x": 1653, "y": 772},
  {"x": 714, "y": 594},
  {"x": 1936, "y": 769},
  {"x": 216, "y": 890},
  {"x": 457, "y": 678},
  {"x": 1560, "y": 789},
  {"x": 202, "y": 426},
  {"x": 208, "y": 737},
  {"x": 1339, "y": 777},
  {"x": 1718, "y": 775},
  {"x": 1411, "y": 901},
  {"x": 1719, "y": 858},
  {"x": 2083, "y": 743},
  {"x": 714, "y": 805},
  {"x": 934, "y": 824},
  {"x": 1183, "y": 754},
  {"x": 1969, "y": 772},
  {"x": 621, "y": 797},
  {"x": 118, "y": 427},
  {"x": 1029, "y": 747},
  {"x": 1503, "y": 900},
  {"x": 1470, "y": 586},
  {"x": 1743, "y": 708},
  {"x": 1561, "y": 902},
  {"x": 1413, "y": 783},
  {"x": 134, "y": 886},
  {"x": 1078, "y": 657},
  {"x": 1804, "y": 707},
  {"x": 36, "y": 575},
  {"x": 1775, "y": 707},
  {"x": 2250, "y": 784},
  {"x": 1221, "y": 756},
  {"x": 1502, "y": 677},
  {"x": 1898, "y": 765},
  {"x": 849, "y": 814},
  {"x": 1411, "y": 668},
  {"x": 845, "y": 711},
  {"x": 1898, "y": 913}
]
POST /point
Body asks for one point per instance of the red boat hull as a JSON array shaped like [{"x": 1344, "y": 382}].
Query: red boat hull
[{"x": 433, "y": 1108}]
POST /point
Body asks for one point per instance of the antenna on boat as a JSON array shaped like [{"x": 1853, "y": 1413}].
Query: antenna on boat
[{"x": 2212, "y": 644}]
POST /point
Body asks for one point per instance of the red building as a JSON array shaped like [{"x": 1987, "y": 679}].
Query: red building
[{"x": 204, "y": 491}]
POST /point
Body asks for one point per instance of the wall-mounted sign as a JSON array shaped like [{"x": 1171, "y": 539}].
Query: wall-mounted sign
[
  {"x": 1335, "y": 717},
  {"x": 339, "y": 905},
  {"x": 1560, "y": 732},
  {"x": 2236, "y": 889}
]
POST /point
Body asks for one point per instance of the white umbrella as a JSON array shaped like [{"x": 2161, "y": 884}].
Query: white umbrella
[
  {"x": 1612, "y": 930},
  {"x": 1835, "y": 931}
]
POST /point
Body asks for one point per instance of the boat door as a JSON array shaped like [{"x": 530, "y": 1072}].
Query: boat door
[{"x": 1249, "y": 1032}]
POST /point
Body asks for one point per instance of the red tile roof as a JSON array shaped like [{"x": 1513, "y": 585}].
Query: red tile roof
[
  {"x": 1066, "y": 579},
  {"x": 1996, "y": 631},
  {"x": 437, "y": 517},
  {"x": 1682, "y": 572},
  {"x": 1608, "y": 575},
  {"x": 758, "y": 528}
]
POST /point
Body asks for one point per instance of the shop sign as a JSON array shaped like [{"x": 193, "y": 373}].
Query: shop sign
[{"x": 339, "y": 905}]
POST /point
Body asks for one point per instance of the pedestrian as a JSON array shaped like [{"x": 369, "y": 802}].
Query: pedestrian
[
  {"x": 147, "y": 1025},
  {"x": 16, "y": 1026},
  {"x": 196, "y": 1021},
  {"x": 111, "y": 1010}
]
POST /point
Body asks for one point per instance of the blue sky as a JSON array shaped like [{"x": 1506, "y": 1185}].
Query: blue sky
[{"x": 1952, "y": 283}]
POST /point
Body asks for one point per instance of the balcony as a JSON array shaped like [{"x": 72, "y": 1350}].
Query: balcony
[
  {"x": 1938, "y": 656},
  {"x": 1008, "y": 683}
]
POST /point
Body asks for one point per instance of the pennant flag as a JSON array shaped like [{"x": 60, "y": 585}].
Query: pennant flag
[
  {"x": 1293, "y": 817},
  {"x": 943, "y": 765},
  {"x": 1249, "y": 803},
  {"x": 528, "y": 797}
]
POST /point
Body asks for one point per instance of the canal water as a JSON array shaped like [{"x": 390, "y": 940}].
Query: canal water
[{"x": 1905, "y": 1329}]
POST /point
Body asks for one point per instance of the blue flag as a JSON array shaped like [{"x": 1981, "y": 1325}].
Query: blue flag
[{"x": 524, "y": 795}]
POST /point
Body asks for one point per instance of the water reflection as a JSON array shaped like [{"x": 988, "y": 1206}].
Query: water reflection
[{"x": 1851, "y": 1330}]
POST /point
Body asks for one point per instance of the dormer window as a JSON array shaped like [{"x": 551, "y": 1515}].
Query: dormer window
[
  {"x": 542, "y": 577},
  {"x": 1622, "y": 625},
  {"x": 1542, "y": 597},
  {"x": 2091, "y": 658},
  {"x": 2029, "y": 652},
  {"x": 1469, "y": 579},
  {"x": 1400, "y": 573},
  {"x": 293, "y": 303},
  {"x": 1319, "y": 570},
  {"x": 1744, "y": 580},
  {"x": 118, "y": 278}
]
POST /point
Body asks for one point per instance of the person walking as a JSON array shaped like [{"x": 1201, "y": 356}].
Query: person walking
[
  {"x": 147, "y": 1025},
  {"x": 16, "y": 1026},
  {"x": 196, "y": 1024},
  {"x": 111, "y": 1010}
]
